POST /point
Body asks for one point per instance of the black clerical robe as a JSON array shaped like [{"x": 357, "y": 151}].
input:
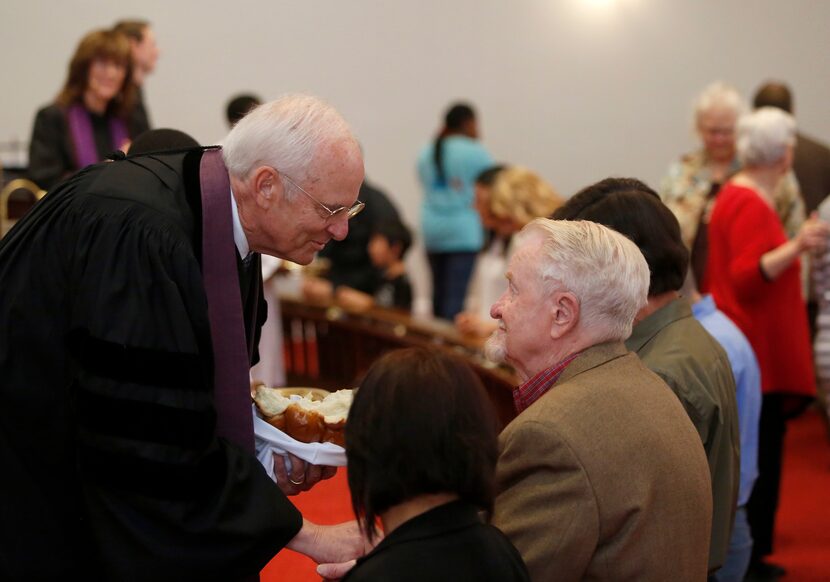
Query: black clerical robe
[{"x": 111, "y": 466}]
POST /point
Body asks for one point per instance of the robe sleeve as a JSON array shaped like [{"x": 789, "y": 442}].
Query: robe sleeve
[{"x": 166, "y": 499}]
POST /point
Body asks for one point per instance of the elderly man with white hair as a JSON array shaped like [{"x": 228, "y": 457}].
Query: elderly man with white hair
[
  {"x": 693, "y": 182},
  {"x": 601, "y": 475},
  {"x": 754, "y": 278},
  {"x": 129, "y": 314}
]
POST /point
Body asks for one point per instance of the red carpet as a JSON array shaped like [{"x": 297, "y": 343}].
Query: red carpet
[
  {"x": 328, "y": 503},
  {"x": 802, "y": 540},
  {"x": 802, "y": 536}
]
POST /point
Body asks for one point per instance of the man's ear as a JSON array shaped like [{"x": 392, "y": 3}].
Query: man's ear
[
  {"x": 266, "y": 186},
  {"x": 564, "y": 313}
]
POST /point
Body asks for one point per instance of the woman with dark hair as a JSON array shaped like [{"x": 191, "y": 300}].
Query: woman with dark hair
[
  {"x": 421, "y": 448},
  {"x": 452, "y": 230},
  {"x": 88, "y": 119}
]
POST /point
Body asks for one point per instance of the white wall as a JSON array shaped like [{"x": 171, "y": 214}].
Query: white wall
[{"x": 576, "y": 89}]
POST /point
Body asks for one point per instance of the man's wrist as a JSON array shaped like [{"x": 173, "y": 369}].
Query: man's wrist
[{"x": 307, "y": 539}]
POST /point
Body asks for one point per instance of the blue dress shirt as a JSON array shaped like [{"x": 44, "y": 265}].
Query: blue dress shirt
[{"x": 747, "y": 382}]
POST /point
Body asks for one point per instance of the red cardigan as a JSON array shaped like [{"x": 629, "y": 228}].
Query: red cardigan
[{"x": 771, "y": 314}]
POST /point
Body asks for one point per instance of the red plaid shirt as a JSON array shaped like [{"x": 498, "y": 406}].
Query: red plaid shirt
[{"x": 532, "y": 390}]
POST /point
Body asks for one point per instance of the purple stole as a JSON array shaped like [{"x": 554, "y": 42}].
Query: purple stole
[
  {"x": 231, "y": 364},
  {"x": 83, "y": 139}
]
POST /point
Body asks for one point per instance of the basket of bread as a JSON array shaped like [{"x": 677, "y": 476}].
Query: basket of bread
[
  {"x": 306, "y": 422},
  {"x": 309, "y": 415}
]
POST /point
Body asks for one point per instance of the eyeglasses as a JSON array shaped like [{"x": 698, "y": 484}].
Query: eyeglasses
[{"x": 349, "y": 211}]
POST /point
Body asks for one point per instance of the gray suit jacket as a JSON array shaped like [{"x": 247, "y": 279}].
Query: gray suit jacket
[{"x": 605, "y": 478}]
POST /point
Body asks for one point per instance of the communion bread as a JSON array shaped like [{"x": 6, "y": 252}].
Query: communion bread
[
  {"x": 272, "y": 405},
  {"x": 335, "y": 409},
  {"x": 304, "y": 419}
]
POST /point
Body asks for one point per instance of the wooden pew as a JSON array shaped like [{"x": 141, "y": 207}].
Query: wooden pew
[{"x": 329, "y": 347}]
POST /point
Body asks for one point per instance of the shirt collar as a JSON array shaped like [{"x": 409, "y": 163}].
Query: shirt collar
[
  {"x": 646, "y": 329},
  {"x": 532, "y": 390},
  {"x": 238, "y": 234},
  {"x": 705, "y": 306}
]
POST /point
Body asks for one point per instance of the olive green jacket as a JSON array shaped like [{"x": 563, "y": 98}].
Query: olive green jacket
[{"x": 675, "y": 346}]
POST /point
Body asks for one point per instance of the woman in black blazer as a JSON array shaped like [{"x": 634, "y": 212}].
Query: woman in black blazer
[
  {"x": 90, "y": 116},
  {"x": 421, "y": 448}
]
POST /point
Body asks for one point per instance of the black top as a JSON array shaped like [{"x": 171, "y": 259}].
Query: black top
[
  {"x": 111, "y": 466},
  {"x": 51, "y": 151},
  {"x": 350, "y": 262},
  {"x": 446, "y": 543},
  {"x": 395, "y": 293}
]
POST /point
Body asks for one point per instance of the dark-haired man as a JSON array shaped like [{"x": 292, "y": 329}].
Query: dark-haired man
[{"x": 669, "y": 340}]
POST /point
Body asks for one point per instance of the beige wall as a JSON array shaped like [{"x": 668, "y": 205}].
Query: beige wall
[{"x": 573, "y": 89}]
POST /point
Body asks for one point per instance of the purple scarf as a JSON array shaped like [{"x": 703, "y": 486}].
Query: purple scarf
[
  {"x": 80, "y": 129},
  {"x": 232, "y": 388}
]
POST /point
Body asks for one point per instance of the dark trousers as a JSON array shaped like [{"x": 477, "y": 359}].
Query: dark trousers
[
  {"x": 451, "y": 274},
  {"x": 763, "y": 503}
]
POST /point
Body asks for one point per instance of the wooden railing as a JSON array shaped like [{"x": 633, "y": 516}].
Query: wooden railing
[{"x": 329, "y": 347}]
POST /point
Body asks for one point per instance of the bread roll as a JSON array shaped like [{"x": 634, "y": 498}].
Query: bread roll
[
  {"x": 304, "y": 423},
  {"x": 335, "y": 409},
  {"x": 304, "y": 419},
  {"x": 272, "y": 405}
]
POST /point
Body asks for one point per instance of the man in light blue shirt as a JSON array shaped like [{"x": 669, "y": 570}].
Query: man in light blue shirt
[{"x": 748, "y": 395}]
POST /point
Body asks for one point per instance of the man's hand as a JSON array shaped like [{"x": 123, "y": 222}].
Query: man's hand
[
  {"x": 334, "y": 546},
  {"x": 470, "y": 324},
  {"x": 813, "y": 234},
  {"x": 317, "y": 290},
  {"x": 353, "y": 299},
  {"x": 301, "y": 476}
]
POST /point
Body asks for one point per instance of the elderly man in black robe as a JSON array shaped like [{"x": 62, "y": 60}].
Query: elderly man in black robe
[{"x": 130, "y": 306}]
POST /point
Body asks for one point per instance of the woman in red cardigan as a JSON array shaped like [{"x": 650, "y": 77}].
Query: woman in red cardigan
[{"x": 753, "y": 274}]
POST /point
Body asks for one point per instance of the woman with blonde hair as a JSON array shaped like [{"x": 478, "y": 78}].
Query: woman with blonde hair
[
  {"x": 506, "y": 199},
  {"x": 88, "y": 119}
]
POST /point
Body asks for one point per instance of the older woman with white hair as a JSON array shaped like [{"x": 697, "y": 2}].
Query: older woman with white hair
[
  {"x": 753, "y": 273},
  {"x": 692, "y": 182}
]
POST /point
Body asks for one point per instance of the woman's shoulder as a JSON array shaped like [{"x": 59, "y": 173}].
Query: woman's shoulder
[
  {"x": 738, "y": 200},
  {"x": 50, "y": 111},
  {"x": 462, "y": 142},
  {"x": 735, "y": 193},
  {"x": 689, "y": 164}
]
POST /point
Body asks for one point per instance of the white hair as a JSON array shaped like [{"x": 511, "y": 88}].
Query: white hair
[
  {"x": 764, "y": 136},
  {"x": 285, "y": 134},
  {"x": 604, "y": 269},
  {"x": 719, "y": 95}
]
